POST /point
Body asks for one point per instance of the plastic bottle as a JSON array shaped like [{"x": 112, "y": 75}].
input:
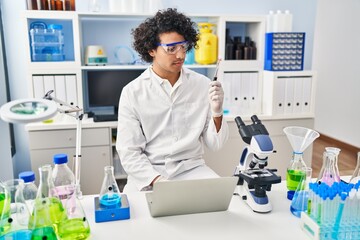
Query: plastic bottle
[
  {"x": 63, "y": 177},
  {"x": 206, "y": 53},
  {"x": 287, "y": 21},
  {"x": 270, "y": 22},
  {"x": 30, "y": 188},
  {"x": 279, "y": 21}
]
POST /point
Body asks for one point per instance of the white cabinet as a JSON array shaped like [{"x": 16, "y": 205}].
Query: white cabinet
[{"x": 96, "y": 152}]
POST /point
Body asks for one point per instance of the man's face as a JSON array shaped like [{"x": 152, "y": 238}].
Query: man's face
[{"x": 169, "y": 58}]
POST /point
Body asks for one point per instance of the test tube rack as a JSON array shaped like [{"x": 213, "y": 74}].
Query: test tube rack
[{"x": 316, "y": 232}]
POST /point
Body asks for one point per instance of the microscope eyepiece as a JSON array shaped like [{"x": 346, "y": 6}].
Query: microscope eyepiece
[
  {"x": 239, "y": 122},
  {"x": 255, "y": 119}
]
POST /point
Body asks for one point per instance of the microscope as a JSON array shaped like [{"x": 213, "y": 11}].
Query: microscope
[{"x": 254, "y": 178}]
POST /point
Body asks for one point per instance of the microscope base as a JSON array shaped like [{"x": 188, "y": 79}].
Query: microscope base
[{"x": 259, "y": 205}]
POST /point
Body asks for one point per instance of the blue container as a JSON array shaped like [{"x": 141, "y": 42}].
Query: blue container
[
  {"x": 284, "y": 51},
  {"x": 47, "y": 42}
]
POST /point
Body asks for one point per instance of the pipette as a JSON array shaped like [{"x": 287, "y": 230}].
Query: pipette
[{"x": 216, "y": 70}]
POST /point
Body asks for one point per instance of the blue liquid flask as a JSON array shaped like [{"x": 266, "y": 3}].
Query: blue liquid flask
[{"x": 300, "y": 201}]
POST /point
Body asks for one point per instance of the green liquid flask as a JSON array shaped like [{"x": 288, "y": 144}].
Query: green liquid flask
[
  {"x": 48, "y": 210},
  {"x": 76, "y": 226},
  {"x": 4, "y": 210},
  {"x": 300, "y": 138},
  {"x": 18, "y": 218}
]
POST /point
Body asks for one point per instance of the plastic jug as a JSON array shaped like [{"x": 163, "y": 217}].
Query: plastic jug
[{"x": 207, "y": 50}]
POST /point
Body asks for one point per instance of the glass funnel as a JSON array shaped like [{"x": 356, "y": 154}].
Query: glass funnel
[
  {"x": 300, "y": 138},
  {"x": 110, "y": 193},
  {"x": 356, "y": 175},
  {"x": 16, "y": 222},
  {"x": 48, "y": 210},
  {"x": 299, "y": 202},
  {"x": 76, "y": 225}
]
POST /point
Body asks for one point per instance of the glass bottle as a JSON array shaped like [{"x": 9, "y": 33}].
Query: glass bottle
[
  {"x": 18, "y": 219},
  {"x": 48, "y": 209},
  {"x": 110, "y": 193},
  {"x": 299, "y": 203},
  {"x": 328, "y": 174},
  {"x": 4, "y": 209},
  {"x": 30, "y": 188},
  {"x": 355, "y": 178},
  {"x": 76, "y": 225}
]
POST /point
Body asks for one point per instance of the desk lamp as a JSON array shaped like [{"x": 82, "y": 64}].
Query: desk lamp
[{"x": 36, "y": 110}]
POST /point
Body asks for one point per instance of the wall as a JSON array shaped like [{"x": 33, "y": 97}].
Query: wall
[
  {"x": 336, "y": 59},
  {"x": 304, "y": 18}
]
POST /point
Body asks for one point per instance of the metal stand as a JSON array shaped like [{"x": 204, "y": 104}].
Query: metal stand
[{"x": 77, "y": 113}]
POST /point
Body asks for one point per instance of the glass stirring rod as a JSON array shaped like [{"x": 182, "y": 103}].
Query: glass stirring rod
[{"x": 216, "y": 70}]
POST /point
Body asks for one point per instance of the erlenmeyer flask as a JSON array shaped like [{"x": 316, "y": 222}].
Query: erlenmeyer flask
[
  {"x": 48, "y": 209},
  {"x": 76, "y": 225},
  {"x": 300, "y": 138},
  {"x": 328, "y": 175},
  {"x": 4, "y": 209},
  {"x": 299, "y": 203},
  {"x": 19, "y": 215},
  {"x": 110, "y": 193},
  {"x": 336, "y": 151},
  {"x": 356, "y": 175}
]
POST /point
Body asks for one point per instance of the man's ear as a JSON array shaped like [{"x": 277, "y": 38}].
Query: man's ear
[{"x": 152, "y": 53}]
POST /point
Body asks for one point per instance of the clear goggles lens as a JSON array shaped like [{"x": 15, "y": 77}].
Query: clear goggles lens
[{"x": 172, "y": 48}]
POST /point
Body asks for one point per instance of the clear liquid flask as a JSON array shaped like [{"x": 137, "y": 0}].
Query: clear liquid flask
[
  {"x": 299, "y": 203},
  {"x": 110, "y": 193},
  {"x": 76, "y": 225},
  {"x": 300, "y": 138},
  {"x": 328, "y": 174},
  {"x": 356, "y": 175},
  {"x": 48, "y": 210},
  {"x": 18, "y": 218},
  {"x": 336, "y": 152}
]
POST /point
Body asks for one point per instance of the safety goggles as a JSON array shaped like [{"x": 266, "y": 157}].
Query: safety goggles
[{"x": 173, "y": 48}]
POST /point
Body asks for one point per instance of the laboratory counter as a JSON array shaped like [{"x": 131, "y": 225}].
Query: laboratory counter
[{"x": 238, "y": 222}]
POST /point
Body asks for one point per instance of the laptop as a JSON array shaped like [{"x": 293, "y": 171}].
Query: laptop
[{"x": 191, "y": 196}]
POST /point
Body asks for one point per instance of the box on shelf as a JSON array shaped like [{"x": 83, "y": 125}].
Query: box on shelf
[
  {"x": 284, "y": 51},
  {"x": 47, "y": 42}
]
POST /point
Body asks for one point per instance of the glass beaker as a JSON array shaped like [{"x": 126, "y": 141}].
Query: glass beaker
[
  {"x": 48, "y": 210},
  {"x": 299, "y": 203},
  {"x": 4, "y": 209},
  {"x": 300, "y": 138},
  {"x": 76, "y": 225},
  {"x": 356, "y": 175},
  {"x": 328, "y": 174},
  {"x": 110, "y": 193},
  {"x": 18, "y": 218}
]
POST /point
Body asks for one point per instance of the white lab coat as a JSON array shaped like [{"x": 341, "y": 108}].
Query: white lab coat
[{"x": 159, "y": 134}]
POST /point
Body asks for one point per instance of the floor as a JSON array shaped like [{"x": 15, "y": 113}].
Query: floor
[{"x": 346, "y": 162}]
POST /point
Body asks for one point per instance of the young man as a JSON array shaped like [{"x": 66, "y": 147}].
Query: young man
[{"x": 168, "y": 112}]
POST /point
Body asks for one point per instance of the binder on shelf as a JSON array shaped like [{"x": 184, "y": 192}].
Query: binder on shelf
[
  {"x": 307, "y": 89},
  {"x": 298, "y": 92},
  {"x": 279, "y": 96},
  {"x": 38, "y": 86},
  {"x": 226, "y": 84},
  {"x": 71, "y": 89},
  {"x": 49, "y": 83},
  {"x": 289, "y": 95},
  {"x": 245, "y": 93},
  {"x": 60, "y": 88},
  {"x": 254, "y": 94}
]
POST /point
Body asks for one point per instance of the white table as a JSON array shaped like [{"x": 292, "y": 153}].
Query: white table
[{"x": 238, "y": 222}]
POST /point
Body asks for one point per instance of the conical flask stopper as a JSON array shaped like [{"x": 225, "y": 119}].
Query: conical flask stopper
[{"x": 300, "y": 137}]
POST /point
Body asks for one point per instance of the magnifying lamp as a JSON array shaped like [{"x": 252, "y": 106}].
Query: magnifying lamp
[{"x": 36, "y": 110}]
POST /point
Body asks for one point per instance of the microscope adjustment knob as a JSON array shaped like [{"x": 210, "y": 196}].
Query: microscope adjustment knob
[{"x": 244, "y": 198}]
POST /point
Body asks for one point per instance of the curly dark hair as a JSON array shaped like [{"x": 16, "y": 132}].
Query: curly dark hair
[{"x": 146, "y": 35}]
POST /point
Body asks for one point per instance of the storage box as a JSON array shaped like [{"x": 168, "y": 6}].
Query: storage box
[
  {"x": 284, "y": 51},
  {"x": 47, "y": 43}
]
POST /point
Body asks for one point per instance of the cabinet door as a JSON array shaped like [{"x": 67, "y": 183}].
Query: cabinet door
[{"x": 93, "y": 161}]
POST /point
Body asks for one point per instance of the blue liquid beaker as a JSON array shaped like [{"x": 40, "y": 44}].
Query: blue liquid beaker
[{"x": 300, "y": 201}]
